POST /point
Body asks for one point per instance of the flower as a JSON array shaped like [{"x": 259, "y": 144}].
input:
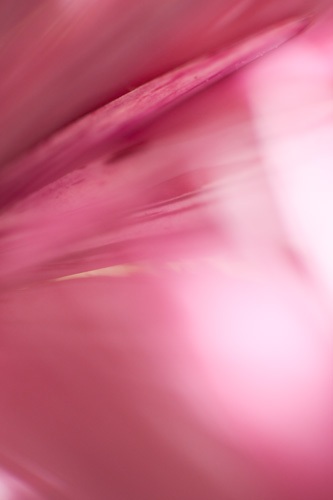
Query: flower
[{"x": 165, "y": 274}]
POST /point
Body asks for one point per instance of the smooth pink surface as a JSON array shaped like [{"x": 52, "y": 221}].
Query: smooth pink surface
[{"x": 184, "y": 384}]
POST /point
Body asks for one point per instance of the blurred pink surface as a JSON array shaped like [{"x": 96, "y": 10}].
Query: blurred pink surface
[
  {"x": 82, "y": 53},
  {"x": 203, "y": 371}
]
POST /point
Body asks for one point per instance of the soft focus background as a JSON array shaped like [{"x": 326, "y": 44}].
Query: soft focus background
[{"x": 166, "y": 302}]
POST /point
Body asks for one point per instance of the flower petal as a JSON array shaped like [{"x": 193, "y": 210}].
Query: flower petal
[
  {"x": 123, "y": 172},
  {"x": 60, "y": 59}
]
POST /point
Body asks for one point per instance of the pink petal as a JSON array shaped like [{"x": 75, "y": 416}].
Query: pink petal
[
  {"x": 60, "y": 59},
  {"x": 211, "y": 377},
  {"x": 120, "y": 171}
]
